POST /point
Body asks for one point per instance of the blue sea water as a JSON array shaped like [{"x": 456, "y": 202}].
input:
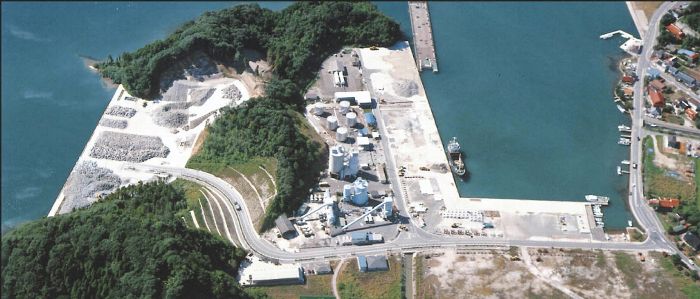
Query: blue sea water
[{"x": 525, "y": 87}]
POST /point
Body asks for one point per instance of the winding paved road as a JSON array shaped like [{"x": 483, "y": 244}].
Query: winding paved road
[
  {"x": 645, "y": 215},
  {"x": 419, "y": 239}
]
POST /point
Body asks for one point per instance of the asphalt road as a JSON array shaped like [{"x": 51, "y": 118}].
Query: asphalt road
[
  {"x": 645, "y": 215},
  {"x": 417, "y": 239}
]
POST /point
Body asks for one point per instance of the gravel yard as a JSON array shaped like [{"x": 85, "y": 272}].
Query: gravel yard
[
  {"x": 128, "y": 147},
  {"x": 85, "y": 183}
]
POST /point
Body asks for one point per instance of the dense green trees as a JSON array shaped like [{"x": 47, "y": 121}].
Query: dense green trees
[
  {"x": 296, "y": 40},
  {"x": 128, "y": 245},
  {"x": 266, "y": 128}
]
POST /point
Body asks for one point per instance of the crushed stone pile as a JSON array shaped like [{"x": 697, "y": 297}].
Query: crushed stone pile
[
  {"x": 128, "y": 147},
  {"x": 114, "y": 123},
  {"x": 405, "y": 88},
  {"x": 121, "y": 111},
  {"x": 177, "y": 92},
  {"x": 86, "y": 182},
  {"x": 231, "y": 92},
  {"x": 172, "y": 115},
  {"x": 200, "y": 96}
]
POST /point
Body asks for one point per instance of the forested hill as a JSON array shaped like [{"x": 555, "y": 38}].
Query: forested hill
[
  {"x": 128, "y": 245},
  {"x": 296, "y": 40}
]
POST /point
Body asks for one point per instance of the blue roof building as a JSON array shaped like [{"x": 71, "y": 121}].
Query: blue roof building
[
  {"x": 371, "y": 120},
  {"x": 686, "y": 52},
  {"x": 687, "y": 79},
  {"x": 372, "y": 263},
  {"x": 672, "y": 70},
  {"x": 653, "y": 73},
  {"x": 363, "y": 132}
]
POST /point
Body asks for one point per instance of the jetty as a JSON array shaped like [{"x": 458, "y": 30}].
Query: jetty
[
  {"x": 632, "y": 46},
  {"x": 422, "y": 35}
]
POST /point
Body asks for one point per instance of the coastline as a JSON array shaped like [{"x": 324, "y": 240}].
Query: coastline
[{"x": 639, "y": 19}]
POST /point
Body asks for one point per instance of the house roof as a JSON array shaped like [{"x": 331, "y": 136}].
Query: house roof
[
  {"x": 669, "y": 202},
  {"x": 674, "y": 30},
  {"x": 657, "y": 84},
  {"x": 377, "y": 262},
  {"x": 692, "y": 240},
  {"x": 656, "y": 97},
  {"x": 283, "y": 224}
]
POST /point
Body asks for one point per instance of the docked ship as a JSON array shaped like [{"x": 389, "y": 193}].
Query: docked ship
[
  {"x": 596, "y": 199},
  {"x": 454, "y": 152}
]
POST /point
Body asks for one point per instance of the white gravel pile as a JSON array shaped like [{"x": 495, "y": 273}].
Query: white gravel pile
[
  {"x": 231, "y": 92},
  {"x": 200, "y": 96},
  {"x": 177, "y": 92},
  {"x": 114, "y": 123},
  {"x": 121, "y": 111},
  {"x": 405, "y": 88},
  {"x": 172, "y": 115},
  {"x": 86, "y": 182},
  {"x": 128, "y": 147}
]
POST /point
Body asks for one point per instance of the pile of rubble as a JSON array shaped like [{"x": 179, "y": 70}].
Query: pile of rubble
[{"x": 128, "y": 147}]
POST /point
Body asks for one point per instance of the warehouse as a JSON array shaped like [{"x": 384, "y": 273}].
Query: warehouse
[
  {"x": 285, "y": 226},
  {"x": 372, "y": 263},
  {"x": 269, "y": 274},
  {"x": 361, "y": 98}
]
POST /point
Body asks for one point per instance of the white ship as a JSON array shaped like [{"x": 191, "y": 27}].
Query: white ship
[
  {"x": 623, "y": 141},
  {"x": 622, "y": 128},
  {"x": 603, "y": 200},
  {"x": 454, "y": 152}
]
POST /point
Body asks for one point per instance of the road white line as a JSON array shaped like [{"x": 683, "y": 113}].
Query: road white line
[
  {"x": 201, "y": 208},
  {"x": 213, "y": 215},
  {"x": 194, "y": 219},
  {"x": 251, "y": 186}
]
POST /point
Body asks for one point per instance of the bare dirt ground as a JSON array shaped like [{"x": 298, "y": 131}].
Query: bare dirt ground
[{"x": 551, "y": 274}]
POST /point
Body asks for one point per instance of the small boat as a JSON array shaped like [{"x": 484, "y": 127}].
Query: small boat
[
  {"x": 623, "y": 141},
  {"x": 598, "y": 219},
  {"x": 619, "y": 170},
  {"x": 623, "y": 128},
  {"x": 626, "y": 162},
  {"x": 622, "y": 109},
  {"x": 629, "y": 223}
]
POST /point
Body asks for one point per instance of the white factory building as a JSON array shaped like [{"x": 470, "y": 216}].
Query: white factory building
[
  {"x": 362, "y": 98},
  {"x": 342, "y": 164},
  {"x": 262, "y": 273},
  {"x": 356, "y": 192}
]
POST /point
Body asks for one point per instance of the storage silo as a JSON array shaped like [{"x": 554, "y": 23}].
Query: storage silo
[
  {"x": 335, "y": 159},
  {"x": 341, "y": 134},
  {"x": 351, "y": 119},
  {"x": 344, "y": 107},
  {"x": 388, "y": 206},
  {"x": 360, "y": 197},
  {"x": 332, "y": 122},
  {"x": 353, "y": 163},
  {"x": 318, "y": 109},
  {"x": 348, "y": 190}
]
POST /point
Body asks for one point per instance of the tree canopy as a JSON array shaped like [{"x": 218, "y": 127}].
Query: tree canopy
[
  {"x": 128, "y": 245},
  {"x": 296, "y": 40}
]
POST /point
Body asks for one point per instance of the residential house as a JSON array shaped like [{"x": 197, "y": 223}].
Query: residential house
[
  {"x": 692, "y": 240},
  {"x": 657, "y": 84},
  {"x": 677, "y": 32},
  {"x": 657, "y": 98}
]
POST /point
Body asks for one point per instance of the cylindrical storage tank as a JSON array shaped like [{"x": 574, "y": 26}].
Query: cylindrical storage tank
[
  {"x": 344, "y": 107},
  {"x": 341, "y": 134},
  {"x": 332, "y": 122},
  {"x": 318, "y": 109},
  {"x": 347, "y": 192},
  {"x": 351, "y": 118},
  {"x": 361, "y": 197},
  {"x": 335, "y": 159}
]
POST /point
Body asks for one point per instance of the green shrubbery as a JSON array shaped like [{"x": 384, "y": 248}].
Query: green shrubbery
[
  {"x": 128, "y": 245},
  {"x": 296, "y": 40}
]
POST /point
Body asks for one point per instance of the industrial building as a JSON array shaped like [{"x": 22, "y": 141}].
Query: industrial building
[
  {"x": 388, "y": 208},
  {"x": 364, "y": 238},
  {"x": 285, "y": 226},
  {"x": 361, "y": 98},
  {"x": 372, "y": 263},
  {"x": 342, "y": 164},
  {"x": 686, "y": 79},
  {"x": 269, "y": 274},
  {"x": 370, "y": 119},
  {"x": 356, "y": 192}
]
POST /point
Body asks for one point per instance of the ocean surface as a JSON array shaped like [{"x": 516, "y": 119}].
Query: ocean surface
[{"x": 525, "y": 87}]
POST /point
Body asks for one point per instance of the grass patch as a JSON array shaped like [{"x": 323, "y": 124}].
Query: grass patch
[
  {"x": 658, "y": 184},
  {"x": 629, "y": 267},
  {"x": 674, "y": 119},
  {"x": 192, "y": 197},
  {"x": 317, "y": 286},
  {"x": 385, "y": 284},
  {"x": 679, "y": 278}
]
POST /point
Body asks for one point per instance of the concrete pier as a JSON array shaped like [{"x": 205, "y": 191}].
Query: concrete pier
[{"x": 422, "y": 35}]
